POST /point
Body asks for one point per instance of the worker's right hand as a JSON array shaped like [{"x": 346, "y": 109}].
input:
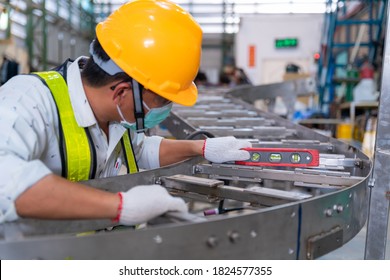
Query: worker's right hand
[{"x": 143, "y": 203}]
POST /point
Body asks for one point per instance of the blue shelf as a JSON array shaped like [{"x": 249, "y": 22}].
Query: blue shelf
[{"x": 331, "y": 48}]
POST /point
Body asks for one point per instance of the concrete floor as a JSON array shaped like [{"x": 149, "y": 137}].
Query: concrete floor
[{"x": 355, "y": 248}]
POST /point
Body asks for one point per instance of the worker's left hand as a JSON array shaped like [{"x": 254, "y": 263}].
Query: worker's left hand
[
  {"x": 143, "y": 203},
  {"x": 223, "y": 149}
]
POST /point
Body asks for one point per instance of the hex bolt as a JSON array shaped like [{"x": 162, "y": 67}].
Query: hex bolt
[
  {"x": 212, "y": 241},
  {"x": 253, "y": 233},
  {"x": 340, "y": 208},
  {"x": 328, "y": 212}
]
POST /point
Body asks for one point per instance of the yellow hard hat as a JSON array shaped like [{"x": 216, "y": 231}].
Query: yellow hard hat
[{"x": 157, "y": 43}]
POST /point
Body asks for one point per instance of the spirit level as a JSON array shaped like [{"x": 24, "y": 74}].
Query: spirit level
[{"x": 281, "y": 157}]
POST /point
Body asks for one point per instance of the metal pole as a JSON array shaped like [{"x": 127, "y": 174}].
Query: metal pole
[
  {"x": 30, "y": 33},
  {"x": 44, "y": 36},
  {"x": 378, "y": 215}
]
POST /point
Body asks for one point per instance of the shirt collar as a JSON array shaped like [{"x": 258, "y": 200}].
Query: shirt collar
[{"x": 81, "y": 108}]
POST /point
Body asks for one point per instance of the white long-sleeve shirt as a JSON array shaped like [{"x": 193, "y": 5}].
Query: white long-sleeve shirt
[{"x": 29, "y": 137}]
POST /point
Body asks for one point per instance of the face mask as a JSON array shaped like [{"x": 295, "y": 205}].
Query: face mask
[
  {"x": 156, "y": 115},
  {"x": 125, "y": 123},
  {"x": 152, "y": 118}
]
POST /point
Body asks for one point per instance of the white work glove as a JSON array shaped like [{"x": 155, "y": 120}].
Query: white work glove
[
  {"x": 142, "y": 203},
  {"x": 222, "y": 149}
]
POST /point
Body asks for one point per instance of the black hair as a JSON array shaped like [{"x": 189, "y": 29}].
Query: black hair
[{"x": 93, "y": 75}]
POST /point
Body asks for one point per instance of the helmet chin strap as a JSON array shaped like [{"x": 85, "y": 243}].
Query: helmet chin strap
[{"x": 138, "y": 107}]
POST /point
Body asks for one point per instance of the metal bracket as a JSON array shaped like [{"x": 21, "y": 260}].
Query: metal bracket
[{"x": 324, "y": 243}]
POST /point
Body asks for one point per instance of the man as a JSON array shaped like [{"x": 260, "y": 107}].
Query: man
[{"x": 85, "y": 120}]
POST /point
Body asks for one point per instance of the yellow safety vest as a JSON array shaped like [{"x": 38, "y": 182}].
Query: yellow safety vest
[{"x": 77, "y": 151}]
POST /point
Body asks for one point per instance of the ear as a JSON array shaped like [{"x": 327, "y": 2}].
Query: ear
[
  {"x": 120, "y": 92},
  {"x": 117, "y": 96}
]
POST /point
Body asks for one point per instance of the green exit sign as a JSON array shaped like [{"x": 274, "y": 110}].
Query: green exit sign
[{"x": 286, "y": 43}]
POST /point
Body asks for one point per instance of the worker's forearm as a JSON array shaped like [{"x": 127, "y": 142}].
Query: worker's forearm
[
  {"x": 56, "y": 198},
  {"x": 172, "y": 151}
]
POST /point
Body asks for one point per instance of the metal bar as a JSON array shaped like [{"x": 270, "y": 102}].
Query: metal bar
[
  {"x": 308, "y": 144},
  {"x": 264, "y": 132},
  {"x": 236, "y": 122},
  {"x": 217, "y": 106},
  {"x": 378, "y": 216},
  {"x": 381, "y": 11},
  {"x": 258, "y": 196},
  {"x": 243, "y": 172},
  {"x": 316, "y": 186},
  {"x": 30, "y": 31},
  {"x": 347, "y": 45},
  {"x": 334, "y": 160},
  {"x": 44, "y": 51},
  {"x": 220, "y": 114},
  {"x": 358, "y": 21}
]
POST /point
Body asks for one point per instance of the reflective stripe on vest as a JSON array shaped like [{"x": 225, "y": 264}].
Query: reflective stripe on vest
[
  {"x": 78, "y": 151},
  {"x": 129, "y": 154}
]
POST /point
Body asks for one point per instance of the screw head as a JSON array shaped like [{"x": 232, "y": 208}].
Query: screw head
[
  {"x": 292, "y": 215},
  {"x": 234, "y": 236},
  {"x": 158, "y": 239},
  {"x": 328, "y": 212},
  {"x": 212, "y": 241}
]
